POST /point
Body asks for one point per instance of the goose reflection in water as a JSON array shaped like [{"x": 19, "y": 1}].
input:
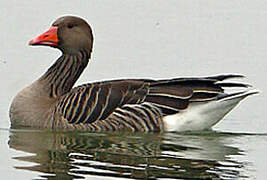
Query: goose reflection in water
[{"x": 63, "y": 155}]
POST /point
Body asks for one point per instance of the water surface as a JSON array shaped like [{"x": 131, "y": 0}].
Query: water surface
[{"x": 80, "y": 155}]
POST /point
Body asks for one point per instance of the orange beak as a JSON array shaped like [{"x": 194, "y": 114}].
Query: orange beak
[{"x": 48, "y": 38}]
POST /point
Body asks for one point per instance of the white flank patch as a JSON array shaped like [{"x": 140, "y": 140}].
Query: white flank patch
[{"x": 202, "y": 115}]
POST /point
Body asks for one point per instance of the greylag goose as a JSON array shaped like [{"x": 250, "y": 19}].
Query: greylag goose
[{"x": 178, "y": 104}]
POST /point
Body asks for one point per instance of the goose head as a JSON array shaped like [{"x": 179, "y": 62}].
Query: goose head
[{"x": 69, "y": 34}]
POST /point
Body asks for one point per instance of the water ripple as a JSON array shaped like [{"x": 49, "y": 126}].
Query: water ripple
[{"x": 68, "y": 155}]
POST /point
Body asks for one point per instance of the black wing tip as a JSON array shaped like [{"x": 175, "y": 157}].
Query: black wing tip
[
  {"x": 233, "y": 84},
  {"x": 219, "y": 77},
  {"x": 222, "y": 77}
]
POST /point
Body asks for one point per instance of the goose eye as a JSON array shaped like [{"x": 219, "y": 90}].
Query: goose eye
[{"x": 70, "y": 26}]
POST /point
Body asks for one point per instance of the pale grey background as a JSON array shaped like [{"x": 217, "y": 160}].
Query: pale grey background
[{"x": 158, "y": 39}]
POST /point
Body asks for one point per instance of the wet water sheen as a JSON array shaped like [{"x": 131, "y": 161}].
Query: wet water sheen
[{"x": 79, "y": 155}]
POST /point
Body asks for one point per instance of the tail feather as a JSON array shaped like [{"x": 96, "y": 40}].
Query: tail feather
[{"x": 242, "y": 94}]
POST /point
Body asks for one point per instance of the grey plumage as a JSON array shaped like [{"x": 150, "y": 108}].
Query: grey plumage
[
  {"x": 125, "y": 104},
  {"x": 136, "y": 104}
]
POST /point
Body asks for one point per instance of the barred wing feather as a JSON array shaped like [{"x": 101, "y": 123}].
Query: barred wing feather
[{"x": 97, "y": 101}]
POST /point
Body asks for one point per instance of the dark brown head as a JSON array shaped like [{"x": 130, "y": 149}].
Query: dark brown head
[{"x": 70, "y": 34}]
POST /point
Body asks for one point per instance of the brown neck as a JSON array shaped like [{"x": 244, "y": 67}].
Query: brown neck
[{"x": 62, "y": 75}]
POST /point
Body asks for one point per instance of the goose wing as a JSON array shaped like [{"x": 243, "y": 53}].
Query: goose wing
[{"x": 96, "y": 101}]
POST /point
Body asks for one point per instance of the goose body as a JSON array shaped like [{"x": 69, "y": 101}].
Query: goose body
[{"x": 177, "y": 104}]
